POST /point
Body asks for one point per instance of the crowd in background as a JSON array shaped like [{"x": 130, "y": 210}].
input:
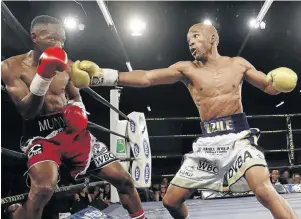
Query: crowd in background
[
  {"x": 286, "y": 177},
  {"x": 99, "y": 197}
]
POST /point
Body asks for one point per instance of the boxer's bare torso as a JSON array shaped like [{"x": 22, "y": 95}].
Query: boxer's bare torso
[
  {"x": 18, "y": 73},
  {"x": 214, "y": 82},
  {"x": 215, "y": 87}
]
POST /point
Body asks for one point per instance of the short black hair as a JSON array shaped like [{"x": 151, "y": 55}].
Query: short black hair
[{"x": 43, "y": 19}]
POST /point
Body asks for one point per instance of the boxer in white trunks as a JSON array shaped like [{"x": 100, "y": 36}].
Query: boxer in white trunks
[{"x": 228, "y": 145}]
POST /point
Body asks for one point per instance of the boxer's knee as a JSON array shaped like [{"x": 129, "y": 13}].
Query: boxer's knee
[
  {"x": 170, "y": 203},
  {"x": 125, "y": 184},
  {"x": 43, "y": 180},
  {"x": 41, "y": 194}
]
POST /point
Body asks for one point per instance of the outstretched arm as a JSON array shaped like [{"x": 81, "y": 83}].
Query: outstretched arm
[
  {"x": 87, "y": 73},
  {"x": 256, "y": 78},
  {"x": 141, "y": 78}
]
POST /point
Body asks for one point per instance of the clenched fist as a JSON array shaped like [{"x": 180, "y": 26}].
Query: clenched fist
[{"x": 87, "y": 73}]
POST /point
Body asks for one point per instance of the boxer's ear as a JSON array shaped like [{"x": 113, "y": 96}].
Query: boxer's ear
[
  {"x": 33, "y": 37},
  {"x": 213, "y": 38}
]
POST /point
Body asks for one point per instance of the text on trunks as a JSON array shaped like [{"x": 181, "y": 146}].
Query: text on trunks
[
  {"x": 218, "y": 126},
  {"x": 207, "y": 166},
  {"x": 104, "y": 159},
  {"x": 238, "y": 163},
  {"x": 51, "y": 124}
]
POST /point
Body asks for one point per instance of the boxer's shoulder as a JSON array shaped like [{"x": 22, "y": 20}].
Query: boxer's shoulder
[
  {"x": 240, "y": 61},
  {"x": 182, "y": 65},
  {"x": 185, "y": 66},
  {"x": 16, "y": 60},
  {"x": 9, "y": 69},
  {"x": 13, "y": 64}
]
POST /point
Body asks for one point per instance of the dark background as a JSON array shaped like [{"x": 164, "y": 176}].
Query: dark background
[{"x": 164, "y": 43}]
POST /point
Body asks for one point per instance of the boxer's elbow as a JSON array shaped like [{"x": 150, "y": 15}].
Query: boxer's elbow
[
  {"x": 148, "y": 79},
  {"x": 27, "y": 114}
]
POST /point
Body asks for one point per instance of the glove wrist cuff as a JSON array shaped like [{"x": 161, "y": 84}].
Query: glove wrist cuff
[
  {"x": 40, "y": 85},
  {"x": 109, "y": 78}
]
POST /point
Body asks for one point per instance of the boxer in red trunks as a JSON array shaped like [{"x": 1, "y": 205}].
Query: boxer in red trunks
[{"x": 55, "y": 122}]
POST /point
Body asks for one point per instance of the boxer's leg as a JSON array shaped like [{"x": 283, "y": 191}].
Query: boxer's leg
[
  {"x": 104, "y": 164},
  {"x": 259, "y": 181},
  {"x": 43, "y": 178},
  {"x": 115, "y": 174},
  {"x": 174, "y": 199},
  {"x": 43, "y": 162}
]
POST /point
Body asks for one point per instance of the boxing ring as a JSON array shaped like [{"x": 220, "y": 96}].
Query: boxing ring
[
  {"x": 220, "y": 204},
  {"x": 215, "y": 206}
]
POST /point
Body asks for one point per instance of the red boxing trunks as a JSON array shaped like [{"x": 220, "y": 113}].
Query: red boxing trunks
[{"x": 46, "y": 139}]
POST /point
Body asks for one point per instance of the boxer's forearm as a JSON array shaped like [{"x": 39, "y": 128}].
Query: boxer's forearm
[
  {"x": 259, "y": 80},
  {"x": 136, "y": 78},
  {"x": 141, "y": 78},
  {"x": 31, "y": 105},
  {"x": 270, "y": 90}
]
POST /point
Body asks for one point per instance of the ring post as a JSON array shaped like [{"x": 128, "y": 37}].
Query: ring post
[
  {"x": 290, "y": 141},
  {"x": 117, "y": 143}
]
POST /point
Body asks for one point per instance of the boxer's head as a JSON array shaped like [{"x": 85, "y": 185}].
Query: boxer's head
[
  {"x": 47, "y": 32},
  {"x": 202, "y": 40}
]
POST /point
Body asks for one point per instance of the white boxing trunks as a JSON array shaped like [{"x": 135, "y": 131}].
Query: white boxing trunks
[{"x": 227, "y": 148}]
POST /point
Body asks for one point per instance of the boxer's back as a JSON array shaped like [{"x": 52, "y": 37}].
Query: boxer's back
[
  {"x": 216, "y": 87},
  {"x": 18, "y": 71}
]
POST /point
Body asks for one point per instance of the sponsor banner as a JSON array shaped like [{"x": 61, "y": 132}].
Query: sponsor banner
[
  {"x": 90, "y": 213},
  {"x": 132, "y": 126},
  {"x": 207, "y": 194},
  {"x": 147, "y": 173},
  {"x": 120, "y": 147},
  {"x": 137, "y": 173},
  {"x": 146, "y": 148},
  {"x": 136, "y": 150}
]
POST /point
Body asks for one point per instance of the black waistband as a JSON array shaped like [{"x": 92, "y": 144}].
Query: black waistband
[
  {"x": 225, "y": 125},
  {"x": 43, "y": 125}
]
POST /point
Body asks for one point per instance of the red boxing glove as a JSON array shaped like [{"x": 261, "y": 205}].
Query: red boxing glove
[
  {"x": 52, "y": 59},
  {"x": 75, "y": 118}
]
